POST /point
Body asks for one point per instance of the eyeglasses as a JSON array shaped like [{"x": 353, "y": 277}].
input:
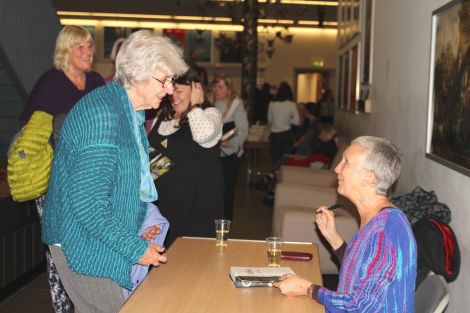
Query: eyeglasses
[{"x": 169, "y": 82}]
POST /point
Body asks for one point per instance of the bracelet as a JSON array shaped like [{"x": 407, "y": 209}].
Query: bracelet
[{"x": 310, "y": 290}]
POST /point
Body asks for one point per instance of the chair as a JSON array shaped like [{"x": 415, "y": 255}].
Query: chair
[{"x": 432, "y": 295}]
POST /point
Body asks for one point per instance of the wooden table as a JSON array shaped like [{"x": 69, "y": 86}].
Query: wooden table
[{"x": 196, "y": 279}]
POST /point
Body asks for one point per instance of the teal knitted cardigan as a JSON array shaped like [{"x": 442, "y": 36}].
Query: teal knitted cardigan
[{"x": 93, "y": 209}]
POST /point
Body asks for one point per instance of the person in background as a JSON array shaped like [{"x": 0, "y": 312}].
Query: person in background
[
  {"x": 187, "y": 133},
  {"x": 56, "y": 92},
  {"x": 59, "y": 88},
  {"x": 309, "y": 139},
  {"x": 303, "y": 121},
  {"x": 321, "y": 153},
  {"x": 320, "y": 157},
  {"x": 282, "y": 114},
  {"x": 263, "y": 97},
  {"x": 233, "y": 117},
  {"x": 327, "y": 106},
  {"x": 114, "y": 51},
  {"x": 100, "y": 186},
  {"x": 378, "y": 265}
]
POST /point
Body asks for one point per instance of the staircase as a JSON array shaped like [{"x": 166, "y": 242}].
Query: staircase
[{"x": 28, "y": 30}]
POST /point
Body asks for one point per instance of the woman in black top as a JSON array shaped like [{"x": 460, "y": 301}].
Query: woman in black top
[{"x": 187, "y": 167}]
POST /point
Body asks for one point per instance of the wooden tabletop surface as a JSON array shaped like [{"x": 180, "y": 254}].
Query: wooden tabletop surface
[{"x": 196, "y": 279}]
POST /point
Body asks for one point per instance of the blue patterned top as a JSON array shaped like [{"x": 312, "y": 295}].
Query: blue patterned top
[{"x": 378, "y": 270}]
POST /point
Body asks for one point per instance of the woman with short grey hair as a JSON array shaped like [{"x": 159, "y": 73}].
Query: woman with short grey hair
[
  {"x": 378, "y": 265},
  {"x": 138, "y": 59},
  {"x": 101, "y": 188},
  {"x": 382, "y": 158}
]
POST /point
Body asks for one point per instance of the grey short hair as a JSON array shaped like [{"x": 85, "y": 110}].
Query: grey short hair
[
  {"x": 383, "y": 158},
  {"x": 145, "y": 52}
]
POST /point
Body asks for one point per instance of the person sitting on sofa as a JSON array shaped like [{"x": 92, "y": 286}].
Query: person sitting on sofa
[
  {"x": 320, "y": 156},
  {"x": 378, "y": 266}
]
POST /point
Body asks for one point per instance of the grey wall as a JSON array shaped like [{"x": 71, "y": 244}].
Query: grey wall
[
  {"x": 401, "y": 70},
  {"x": 28, "y": 29}
]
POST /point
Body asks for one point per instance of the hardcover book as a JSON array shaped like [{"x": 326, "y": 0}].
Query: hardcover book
[{"x": 245, "y": 277}]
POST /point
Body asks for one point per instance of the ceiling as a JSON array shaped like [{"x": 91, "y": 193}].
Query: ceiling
[{"x": 286, "y": 13}]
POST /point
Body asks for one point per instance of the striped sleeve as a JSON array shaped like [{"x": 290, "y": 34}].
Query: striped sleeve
[
  {"x": 377, "y": 271},
  {"x": 92, "y": 182}
]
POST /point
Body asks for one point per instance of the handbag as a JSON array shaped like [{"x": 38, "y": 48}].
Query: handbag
[{"x": 30, "y": 158}]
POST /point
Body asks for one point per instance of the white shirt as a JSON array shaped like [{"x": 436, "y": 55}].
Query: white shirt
[
  {"x": 281, "y": 115},
  {"x": 205, "y": 125},
  {"x": 235, "y": 112}
]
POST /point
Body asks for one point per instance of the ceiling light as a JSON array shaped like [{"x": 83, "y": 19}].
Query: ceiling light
[{"x": 180, "y": 25}]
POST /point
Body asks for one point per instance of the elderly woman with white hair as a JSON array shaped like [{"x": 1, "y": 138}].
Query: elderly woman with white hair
[
  {"x": 100, "y": 184},
  {"x": 378, "y": 265}
]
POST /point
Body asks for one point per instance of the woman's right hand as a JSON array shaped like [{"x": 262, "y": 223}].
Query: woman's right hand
[
  {"x": 197, "y": 94},
  {"x": 153, "y": 255},
  {"x": 325, "y": 220}
]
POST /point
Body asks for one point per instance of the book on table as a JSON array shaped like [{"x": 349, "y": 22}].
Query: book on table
[{"x": 244, "y": 277}]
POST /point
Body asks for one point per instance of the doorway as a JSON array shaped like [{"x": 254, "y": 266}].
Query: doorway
[{"x": 309, "y": 83}]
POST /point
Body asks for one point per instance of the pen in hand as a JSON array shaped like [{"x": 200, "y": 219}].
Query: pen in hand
[{"x": 333, "y": 207}]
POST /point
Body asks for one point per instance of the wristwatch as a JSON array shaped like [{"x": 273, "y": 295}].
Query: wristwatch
[{"x": 310, "y": 290}]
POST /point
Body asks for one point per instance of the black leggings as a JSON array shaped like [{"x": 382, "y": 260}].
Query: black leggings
[
  {"x": 231, "y": 167},
  {"x": 281, "y": 143}
]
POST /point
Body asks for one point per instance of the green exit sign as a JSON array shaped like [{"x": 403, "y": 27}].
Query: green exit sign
[{"x": 318, "y": 63}]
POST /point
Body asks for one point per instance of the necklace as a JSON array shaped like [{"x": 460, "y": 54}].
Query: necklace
[{"x": 79, "y": 81}]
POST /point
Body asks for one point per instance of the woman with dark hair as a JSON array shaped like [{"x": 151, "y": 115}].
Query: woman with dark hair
[
  {"x": 282, "y": 114},
  {"x": 185, "y": 138}
]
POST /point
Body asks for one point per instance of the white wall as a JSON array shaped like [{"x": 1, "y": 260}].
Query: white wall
[
  {"x": 401, "y": 70},
  {"x": 305, "y": 48}
]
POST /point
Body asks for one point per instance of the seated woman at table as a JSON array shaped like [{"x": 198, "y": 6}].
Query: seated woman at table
[
  {"x": 187, "y": 133},
  {"x": 378, "y": 266}
]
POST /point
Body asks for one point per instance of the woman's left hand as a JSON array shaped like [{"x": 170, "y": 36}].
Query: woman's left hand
[
  {"x": 197, "y": 94},
  {"x": 151, "y": 232},
  {"x": 292, "y": 285}
]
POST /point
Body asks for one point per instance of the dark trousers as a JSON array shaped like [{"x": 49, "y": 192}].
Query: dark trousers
[
  {"x": 231, "y": 168},
  {"x": 281, "y": 143}
]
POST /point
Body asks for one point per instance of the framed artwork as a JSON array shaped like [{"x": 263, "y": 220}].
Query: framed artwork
[
  {"x": 448, "y": 125},
  {"x": 367, "y": 42},
  {"x": 178, "y": 36},
  {"x": 354, "y": 83},
  {"x": 111, "y": 34},
  {"x": 198, "y": 45},
  {"x": 229, "y": 47}
]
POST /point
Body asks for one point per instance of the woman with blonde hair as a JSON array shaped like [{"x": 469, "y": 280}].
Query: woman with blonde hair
[
  {"x": 55, "y": 93},
  {"x": 59, "y": 88},
  {"x": 234, "y": 118}
]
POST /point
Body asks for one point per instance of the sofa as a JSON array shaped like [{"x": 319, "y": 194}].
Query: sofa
[{"x": 299, "y": 192}]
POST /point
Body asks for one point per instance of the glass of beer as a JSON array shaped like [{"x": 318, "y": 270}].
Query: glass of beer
[
  {"x": 274, "y": 246},
  {"x": 222, "y": 227}
]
